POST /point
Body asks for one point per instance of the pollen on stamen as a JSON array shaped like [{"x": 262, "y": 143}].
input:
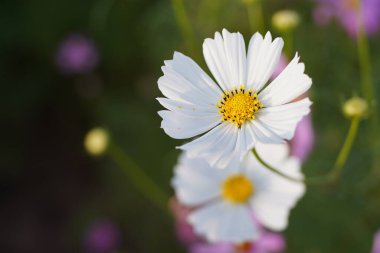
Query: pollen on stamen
[{"x": 237, "y": 106}]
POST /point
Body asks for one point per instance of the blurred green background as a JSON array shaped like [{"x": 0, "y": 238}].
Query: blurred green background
[{"x": 52, "y": 190}]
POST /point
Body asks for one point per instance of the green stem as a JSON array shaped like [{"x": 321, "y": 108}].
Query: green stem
[
  {"x": 345, "y": 150},
  {"x": 138, "y": 177},
  {"x": 255, "y": 15},
  {"x": 334, "y": 174},
  {"x": 184, "y": 25},
  {"x": 364, "y": 60},
  {"x": 311, "y": 180},
  {"x": 368, "y": 88},
  {"x": 365, "y": 67},
  {"x": 274, "y": 170}
]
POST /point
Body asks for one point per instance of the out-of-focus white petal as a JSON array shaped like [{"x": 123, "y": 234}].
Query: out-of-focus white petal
[
  {"x": 226, "y": 222},
  {"x": 226, "y": 58},
  {"x": 275, "y": 153},
  {"x": 291, "y": 83},
  {"x": 263, "y": 56},
  {"x": 274, "y": 195},
  {"x": 195, "y": 182}
]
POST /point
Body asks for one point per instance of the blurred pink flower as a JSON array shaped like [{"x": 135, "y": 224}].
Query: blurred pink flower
[
  {"x": 376, "y": 243},
  {"x": 184, "y": 230},
  {"x": 282, "y": 63},
  {"x": 303, "y": 140},
  {"x": 102, "y": 236},
  {"x": 76, "y": 55},
  {"x": 344, "y": 12},
  {"x": 268, "y": 243}
]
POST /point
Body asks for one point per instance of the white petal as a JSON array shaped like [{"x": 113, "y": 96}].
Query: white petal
[
  {"x": 291, "y": 83},
  {"x": 263, "y": 56},
  {"x": 176, "y": 87},
  {"x": 238, "y": 146},
  {"x": 222, "y": 145},
  {"x": 274, "y": 195},
  {"x": 226, "y": 222},
  {"x": 180, "y": 126},
  {"x": 195, "y": 182},
  {"x": 185, "y": 81},
  {"x": 263, "y": 134},
  {"x": 271, "y": 215},
  {"x": 226, "y": 58},
  {"x": 283, "y": 119},
  {"x": 191, "y": 72},
  {"x": 275, "y": 153},
  {"x": 245, "y": 142},
  {"x": 217, "y": 144},
  {"x": 188, "y": 108},
  {"x": 272, "y": 208}
]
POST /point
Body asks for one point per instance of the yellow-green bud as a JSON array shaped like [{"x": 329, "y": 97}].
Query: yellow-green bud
[
  {"x": 96, "y": 141},
  {"x": 285, "y": 20},
  {"x": 355, "y": 107}
]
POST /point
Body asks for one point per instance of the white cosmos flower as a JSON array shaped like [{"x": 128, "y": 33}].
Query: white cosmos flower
[
  {"x": 226, "y": 200},
  {"x": 231, "y": 115}
]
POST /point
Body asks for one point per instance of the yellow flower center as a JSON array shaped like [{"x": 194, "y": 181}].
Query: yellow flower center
[
  {"x": 237, "y": 189},
  {"x": 237, "y": 106}
]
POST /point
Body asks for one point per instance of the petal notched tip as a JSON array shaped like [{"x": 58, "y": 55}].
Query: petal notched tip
[{"x": 268, "y": 36}]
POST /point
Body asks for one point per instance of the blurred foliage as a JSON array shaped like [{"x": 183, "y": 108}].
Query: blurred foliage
[{"x": 51, "y": 189}]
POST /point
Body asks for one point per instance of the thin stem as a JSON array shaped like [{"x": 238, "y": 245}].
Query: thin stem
[
  {"x": 184, "y": 24},
  {"x": 367, "y": 86},
  {"x": 365, "y": 67},
  {"x": 311, "y": 180},
  {"x": 255, "y": 15},
  {"x": 274, "y": 170},
  {"x": 345, "y": 150},
  {"x": 334, "y": 174},
  {"x": 364, "y": 60},
  {"x": 138, "y": 177}
]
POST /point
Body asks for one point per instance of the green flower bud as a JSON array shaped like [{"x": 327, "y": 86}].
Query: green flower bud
[
  {"x": 285, "y": 20},
  {"x": 96, "y": 141},
  {"x": 355, "y": 107}
]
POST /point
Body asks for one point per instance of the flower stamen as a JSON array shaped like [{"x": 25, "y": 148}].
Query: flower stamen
[{"x": 238, "y": 105}]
